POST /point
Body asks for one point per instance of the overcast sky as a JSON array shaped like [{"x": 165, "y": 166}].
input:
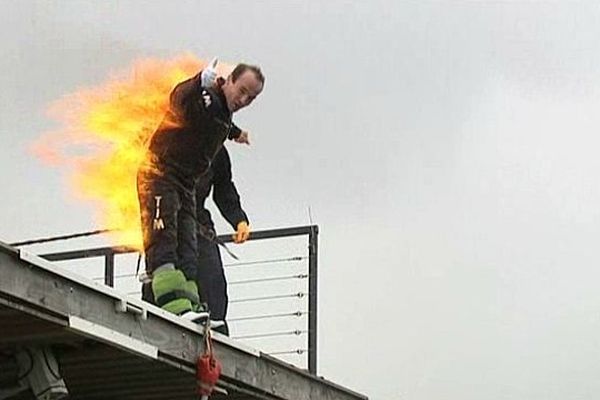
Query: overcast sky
[{"x": 448, "y": 151}]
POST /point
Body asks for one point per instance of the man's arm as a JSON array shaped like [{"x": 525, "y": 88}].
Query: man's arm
[
  {"x": 182, "y": 99},
  {"x": 238, "y": 135},
  {"x": 189, "y": 100},
  {"x": 226, "y": 197}
]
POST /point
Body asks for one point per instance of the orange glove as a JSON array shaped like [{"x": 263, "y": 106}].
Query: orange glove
[{"x": 243, "y": 232}]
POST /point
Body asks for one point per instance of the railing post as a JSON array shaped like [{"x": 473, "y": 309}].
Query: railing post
[
  {"x": 313, "y": 241},
  {"x": 109, "y": 269}
]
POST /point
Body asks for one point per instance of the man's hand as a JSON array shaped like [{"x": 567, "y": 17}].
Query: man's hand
[
  {"x": 243, "y": 232},
  {"x": 209, "y": 74},
  {"x": 244, "y": 138}
]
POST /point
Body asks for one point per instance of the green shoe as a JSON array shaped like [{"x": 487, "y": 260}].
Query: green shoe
[
  {"x": 169, "y": 287},
  {"x": 178, "y": 306},
  {"x": 191, "y": 289}
]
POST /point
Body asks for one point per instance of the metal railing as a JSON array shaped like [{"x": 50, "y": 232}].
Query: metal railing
[{"x": 311, "y": 231}]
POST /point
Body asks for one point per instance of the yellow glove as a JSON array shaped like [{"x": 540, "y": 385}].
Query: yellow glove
[{"x": 243, "y": 232}]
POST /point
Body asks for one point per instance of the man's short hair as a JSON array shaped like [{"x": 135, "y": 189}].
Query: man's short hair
[{"x": 241, "y": 68}]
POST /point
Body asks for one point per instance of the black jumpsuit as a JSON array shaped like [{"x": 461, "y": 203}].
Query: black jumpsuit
[{"x": 180, "y": 152}]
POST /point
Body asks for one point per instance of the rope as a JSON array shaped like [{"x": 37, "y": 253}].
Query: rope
[
  {"x": 280, "y": 315},
  {"x": 282, "y": 296},
  {"x": 297, "y": 351},
  {"x": 275, "y": 278},
  {"x": 208, "y": 349},
  {"x": 297, "y": 332},
  {"x": 275, "y": 260}
]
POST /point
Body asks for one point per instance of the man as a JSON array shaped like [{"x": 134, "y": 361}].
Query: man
[
  {"x": 180, "y": 152},
  {"x": 211, "y": 277}
]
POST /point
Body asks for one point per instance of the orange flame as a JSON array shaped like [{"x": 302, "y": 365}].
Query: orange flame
[{"x": 103, "y": 135}]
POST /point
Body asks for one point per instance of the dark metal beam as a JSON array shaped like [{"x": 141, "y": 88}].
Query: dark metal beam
[
  {"x": 103, "y": 251},
  {"x": 109, "y": 270},
  {"x": 313, "y": 243},
  {"x": 274, "y": 233},
  {"x": 88, "y": 253}
]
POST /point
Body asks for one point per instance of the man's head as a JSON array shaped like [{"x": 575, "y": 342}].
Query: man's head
[{"x": 242, "y": 86}]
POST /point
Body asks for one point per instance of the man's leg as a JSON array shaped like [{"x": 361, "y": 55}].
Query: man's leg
[
  {"x": 211, "y": 279},
  {"x": 160, "y": 203},
  {"x": 187, "y": 253},
  {"x": 147, "y": 294}
]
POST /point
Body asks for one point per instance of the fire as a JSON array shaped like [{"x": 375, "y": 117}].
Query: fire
[{"x": 103, "y": 133}]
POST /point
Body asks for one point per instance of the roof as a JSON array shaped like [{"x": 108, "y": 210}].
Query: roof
[{"x": 109, "y": 345}]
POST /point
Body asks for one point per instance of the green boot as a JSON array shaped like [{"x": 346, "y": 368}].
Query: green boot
[
  {"x": 191, "y": 289},
  {"x": 198, "y": 314},
  {"x": 169, "y": 286}
]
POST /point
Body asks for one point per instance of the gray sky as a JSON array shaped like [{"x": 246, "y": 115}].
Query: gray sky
[{"x": 448, "y": 150}]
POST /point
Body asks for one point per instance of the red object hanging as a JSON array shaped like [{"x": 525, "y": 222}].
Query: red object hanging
[{"x": 208, "y": 370}]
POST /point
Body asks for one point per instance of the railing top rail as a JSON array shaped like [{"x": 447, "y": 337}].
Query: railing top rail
[{"x": 108, "y": 250}]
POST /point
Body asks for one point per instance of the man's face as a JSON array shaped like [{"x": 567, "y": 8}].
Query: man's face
[{"x": 243, "y": 91}]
